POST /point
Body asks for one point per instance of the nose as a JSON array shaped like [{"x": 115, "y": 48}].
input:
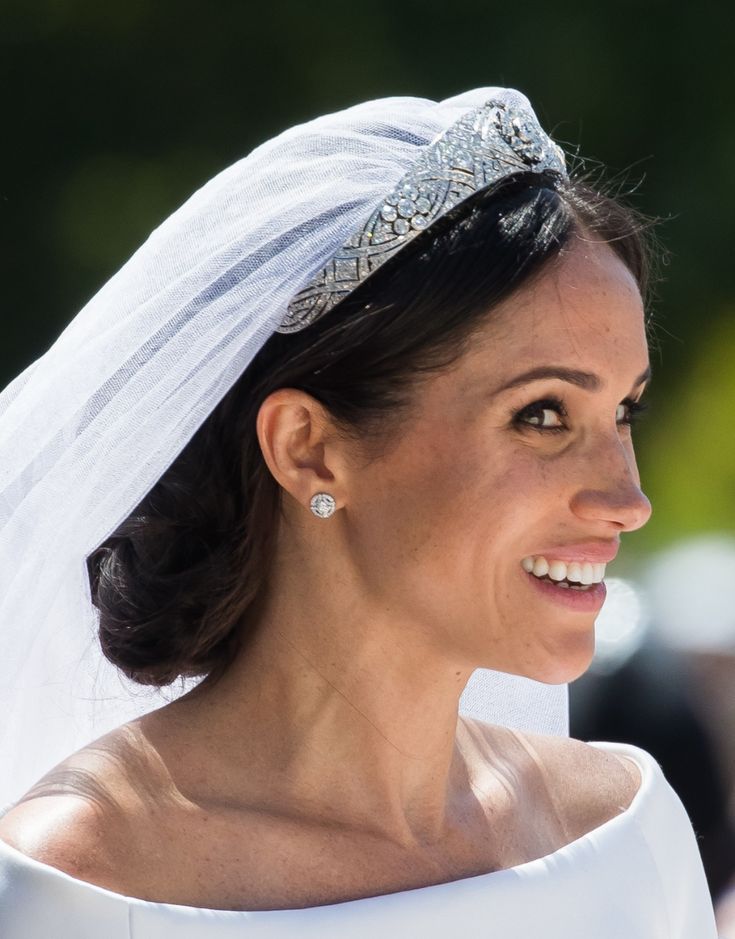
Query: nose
[{"x": 611, "y": 492}]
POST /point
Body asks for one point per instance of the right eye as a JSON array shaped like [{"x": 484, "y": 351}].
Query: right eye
[{"x": 542, "y": 415}]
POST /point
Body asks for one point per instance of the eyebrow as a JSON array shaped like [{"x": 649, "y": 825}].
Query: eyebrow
[{"x": 586, "y": 380}]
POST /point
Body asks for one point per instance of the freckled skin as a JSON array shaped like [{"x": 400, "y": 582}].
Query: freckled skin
[
  {"x": 329, "y": 763},
  {"x": 445, "y": 518},
  {"x": 372, "y": 613}
]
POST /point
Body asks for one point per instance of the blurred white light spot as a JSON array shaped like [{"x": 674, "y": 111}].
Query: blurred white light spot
[
  {"x": 690, "y": 587},
  {"x": 620, "y": 627}
]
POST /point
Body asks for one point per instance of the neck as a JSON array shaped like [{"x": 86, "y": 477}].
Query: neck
[{"x": 338, "y": 711}]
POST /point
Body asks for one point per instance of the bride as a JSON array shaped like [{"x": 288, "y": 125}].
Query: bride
[{"x": 354, "y": 424}]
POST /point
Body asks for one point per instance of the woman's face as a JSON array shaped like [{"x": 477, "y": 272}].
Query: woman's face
[{"x": 522, "y": 451}]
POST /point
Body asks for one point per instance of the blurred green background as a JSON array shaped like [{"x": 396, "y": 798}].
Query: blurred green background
[{"x": 113, "y": 113}]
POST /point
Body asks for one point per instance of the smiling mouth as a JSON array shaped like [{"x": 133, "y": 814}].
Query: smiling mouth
[{"x": 569, "y": 575}]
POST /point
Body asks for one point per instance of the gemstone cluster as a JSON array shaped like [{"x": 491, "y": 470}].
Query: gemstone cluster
[
  {"x": 323, "y": 505},
  {"x": 483, "y": 146}
]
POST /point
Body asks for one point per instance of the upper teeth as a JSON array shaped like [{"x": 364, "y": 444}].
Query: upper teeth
[{"x": 581, "y": 572}]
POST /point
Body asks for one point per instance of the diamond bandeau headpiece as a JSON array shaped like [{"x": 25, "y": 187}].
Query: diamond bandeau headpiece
[{"x": 481, "y": 148}]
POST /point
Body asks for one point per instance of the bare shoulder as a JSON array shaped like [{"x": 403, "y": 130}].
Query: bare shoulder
[
  {"x": 77, "y": 818},
  {"x": 65, "y": 832},
  {"x": 587, "y": 786},
  {"x": 575, "y": 759}
]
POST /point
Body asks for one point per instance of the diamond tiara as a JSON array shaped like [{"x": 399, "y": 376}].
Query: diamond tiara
[{"x": 485, "y": 145}]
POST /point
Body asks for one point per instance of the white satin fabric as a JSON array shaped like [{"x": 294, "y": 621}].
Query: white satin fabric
[{"x": 638, "y": 876}]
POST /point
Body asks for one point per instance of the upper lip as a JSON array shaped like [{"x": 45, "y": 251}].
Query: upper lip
[{"x": 596, "y": 552}]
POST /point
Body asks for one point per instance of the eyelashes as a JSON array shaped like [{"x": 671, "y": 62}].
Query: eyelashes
[
  {"x": 532, "y": 415},
  {"x": 636, "y": 409}
]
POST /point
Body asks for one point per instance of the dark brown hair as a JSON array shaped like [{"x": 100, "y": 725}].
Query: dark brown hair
[{"x": 179, "y": 582}]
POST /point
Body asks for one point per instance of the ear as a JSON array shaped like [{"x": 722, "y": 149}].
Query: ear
[{"x": 299, "y": 446}]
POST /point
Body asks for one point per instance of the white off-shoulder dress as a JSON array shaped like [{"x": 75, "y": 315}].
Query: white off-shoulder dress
[{"x": 637, "y": 876}]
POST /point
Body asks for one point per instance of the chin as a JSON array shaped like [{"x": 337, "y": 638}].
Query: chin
[
  {"x": 562, "y": 664},
  {"x": 554, "y": 658},
  {"x": 568, "y": 667},
  {"x": 562, "y": 673}
]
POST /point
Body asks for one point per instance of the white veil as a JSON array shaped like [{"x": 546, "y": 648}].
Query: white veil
[{"x": 87, "y": 429}]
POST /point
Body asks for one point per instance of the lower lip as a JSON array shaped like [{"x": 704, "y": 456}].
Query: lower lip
[{"x": 584, "y": 601}]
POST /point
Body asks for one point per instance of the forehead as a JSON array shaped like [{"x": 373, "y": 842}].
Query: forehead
[{"x": 583, "y": 311}]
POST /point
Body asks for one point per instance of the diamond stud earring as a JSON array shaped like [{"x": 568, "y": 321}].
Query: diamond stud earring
[{"x": 322, "y": 505}]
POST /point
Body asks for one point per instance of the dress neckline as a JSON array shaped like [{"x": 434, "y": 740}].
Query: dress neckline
[{"x": 643, "y": 760}]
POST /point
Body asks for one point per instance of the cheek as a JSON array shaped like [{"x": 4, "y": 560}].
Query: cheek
[
  {"x": 418, "y": 503},
  {"x": 453, "y": 497},
  {"x": 511, "y": 476},
  {"x": 462, "y": 500}
]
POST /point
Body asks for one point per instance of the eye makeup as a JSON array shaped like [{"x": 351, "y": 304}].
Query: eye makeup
[{"x": 532, "y": 415}]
